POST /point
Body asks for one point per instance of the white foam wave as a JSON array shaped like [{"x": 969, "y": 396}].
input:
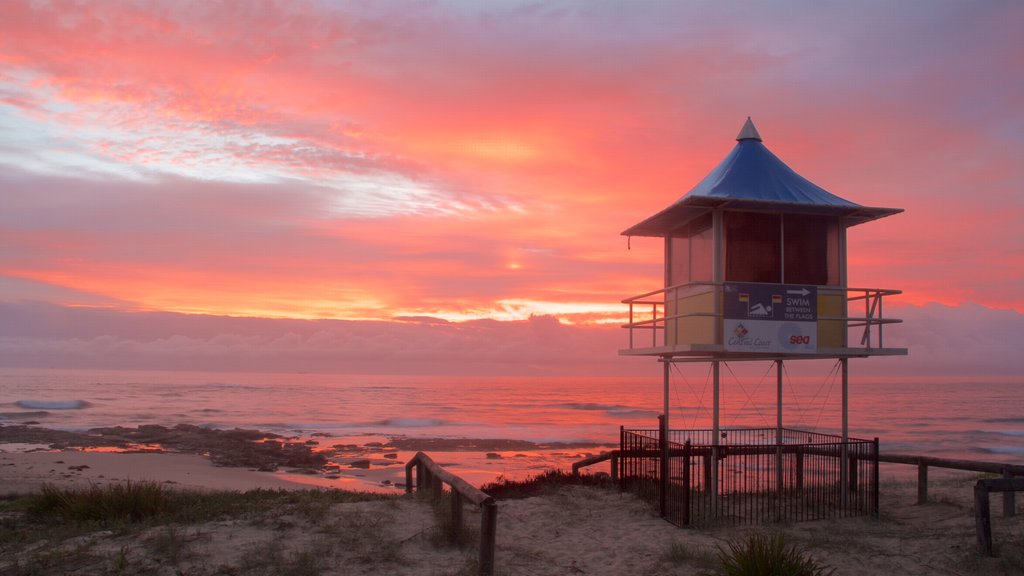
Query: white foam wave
[{"x": 410, "y": 422}]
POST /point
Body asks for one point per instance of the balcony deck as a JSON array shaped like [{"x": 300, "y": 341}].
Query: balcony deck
[{"x": 693, "y": 321}]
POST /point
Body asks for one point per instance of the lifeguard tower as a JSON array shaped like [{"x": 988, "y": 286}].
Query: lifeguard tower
[{"x": 755, "y": 269}]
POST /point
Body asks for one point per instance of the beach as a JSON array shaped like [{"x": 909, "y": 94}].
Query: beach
[
  {"x": 566, "y": 530},
  {"x": 239, "y": 432}
]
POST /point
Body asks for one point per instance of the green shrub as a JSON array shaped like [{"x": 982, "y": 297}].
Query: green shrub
[{"x": 761, "y": 555}]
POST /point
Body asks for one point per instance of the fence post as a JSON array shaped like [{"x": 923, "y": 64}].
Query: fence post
[
  {"x": 874, "y": 480},
  {"x": 663, "y": 467},
  {"x": 686, "y": 483},
  {"x": 799, "y": 468},
  {"x": 488, "y": 533},
  {"x": 852, "y": 465},
  {"x": 622, "y": 450},
  {"x": 1009, "y": 503},
  {"x": 983, "y": 518},
  {"x": 922, "y": 483}
]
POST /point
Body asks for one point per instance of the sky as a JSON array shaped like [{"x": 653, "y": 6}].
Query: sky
[{"x": 449, "y": 180}]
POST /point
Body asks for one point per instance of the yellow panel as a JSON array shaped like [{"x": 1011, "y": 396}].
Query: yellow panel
[
  {"x": 831, "y": 333},
  {"x": 691, "y": 329}
]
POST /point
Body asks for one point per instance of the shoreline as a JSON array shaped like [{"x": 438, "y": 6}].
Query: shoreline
[{"x": 240, "y": 459}]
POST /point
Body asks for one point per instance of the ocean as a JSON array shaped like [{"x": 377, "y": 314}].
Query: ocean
[{"x": 567, "y": 417}]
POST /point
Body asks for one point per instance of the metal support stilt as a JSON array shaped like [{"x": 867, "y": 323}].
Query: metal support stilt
[
  {"x": 778, "y": 428},
  {"x": 716, "y": 433},
  {"x": 844, "y": 477}
]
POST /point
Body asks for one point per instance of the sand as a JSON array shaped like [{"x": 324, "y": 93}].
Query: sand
[
  {"x": 572, "y": 530},
  {"x": 25, "y": 472}
]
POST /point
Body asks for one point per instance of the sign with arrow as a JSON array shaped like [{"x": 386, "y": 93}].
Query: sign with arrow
[{"x": 770, "y": 318}]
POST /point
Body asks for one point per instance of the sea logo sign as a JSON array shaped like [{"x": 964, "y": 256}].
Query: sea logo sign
[{"x": 780, "y": 318}]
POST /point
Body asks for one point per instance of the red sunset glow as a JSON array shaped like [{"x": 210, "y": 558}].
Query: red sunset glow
[{"x": 464, "y": 160}]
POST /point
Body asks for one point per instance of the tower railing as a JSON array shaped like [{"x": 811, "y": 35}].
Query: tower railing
[{"x": 652, "y": 313}]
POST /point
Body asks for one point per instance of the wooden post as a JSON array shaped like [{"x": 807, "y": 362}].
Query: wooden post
[
  {"x": 488, "y": 533},
  {"x": 1009, "y": 503},
  {"x": 456, "y": 515},
  {"x": 983, "y": 518},
  {"x": 922, "y": 483},
  {"x": 982, "y": 512},
  {"x": 615, "y": 467}
]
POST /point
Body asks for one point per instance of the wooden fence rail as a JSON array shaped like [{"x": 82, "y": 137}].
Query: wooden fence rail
[
  {"x": 982, "y": 514},
  {"x": 923, "y": 462},
  {"x": 432, "y": 476},
  {"x": 1011, "y": 482},
  {"x": 612, "y": 455}
]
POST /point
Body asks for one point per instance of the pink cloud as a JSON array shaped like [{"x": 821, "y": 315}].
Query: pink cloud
[
  {"x": 438, "y": 157},
  {"x": 44, "y": 335}
]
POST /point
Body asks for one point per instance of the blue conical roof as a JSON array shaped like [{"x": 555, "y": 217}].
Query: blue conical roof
[{"x": 751, "y": 177}]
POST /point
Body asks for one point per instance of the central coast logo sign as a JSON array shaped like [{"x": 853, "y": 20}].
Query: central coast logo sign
[{"x": 741, "y": 338}]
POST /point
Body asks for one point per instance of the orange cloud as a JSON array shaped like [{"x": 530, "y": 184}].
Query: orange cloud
[{"x": 303, "y": 160}]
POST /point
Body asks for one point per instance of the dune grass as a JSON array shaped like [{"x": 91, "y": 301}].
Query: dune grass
[
  {"x": 767, "y": 555},
  {"x": 146, "y": 527},
  {"x": 128, "y": 502},
  {"x": 505, "y": 489}
]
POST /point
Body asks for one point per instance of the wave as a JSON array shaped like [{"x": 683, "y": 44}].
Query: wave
[
  {"x": 1013, "y": 450},
  {"x": 53, "y": 404},
  {"x": 1018, "y": 420},
  {"x": 23, "y": 415},
  {"x": 409, "y": 422},
  {"x": 1016, "y": 433},
  {"x": 594, "y": 407},
  {"x": 634, "y": 413}
]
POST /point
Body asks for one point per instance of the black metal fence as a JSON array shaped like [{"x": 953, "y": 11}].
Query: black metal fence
[{"x": 750, "y": 475}]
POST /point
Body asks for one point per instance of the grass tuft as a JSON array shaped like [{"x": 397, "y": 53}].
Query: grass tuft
[
  {"x": 681, "y": 554},
  {"x": 131, "y": 502},
  {"x": 762, "y": 555},
  {"x": 504, "y": 489}
]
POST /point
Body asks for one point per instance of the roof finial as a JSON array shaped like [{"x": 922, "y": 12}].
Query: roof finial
[{"x": 749, "y": 132}]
